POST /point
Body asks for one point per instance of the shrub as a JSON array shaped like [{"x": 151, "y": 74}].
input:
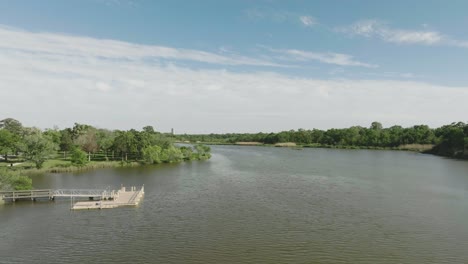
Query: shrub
[{"x": 78, "y": 157}]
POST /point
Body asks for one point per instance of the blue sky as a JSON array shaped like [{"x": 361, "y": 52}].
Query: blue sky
[{"x": 234, "y": 66}]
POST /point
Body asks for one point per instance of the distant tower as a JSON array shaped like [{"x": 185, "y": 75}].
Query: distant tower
[{"x": 172, "y": 131}]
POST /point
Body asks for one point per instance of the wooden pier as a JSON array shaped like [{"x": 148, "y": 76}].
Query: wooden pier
[
  {"x": 99, "y": 198},
  {"x": 123, "y": 197},
  {"x": 30, "y": 195}
]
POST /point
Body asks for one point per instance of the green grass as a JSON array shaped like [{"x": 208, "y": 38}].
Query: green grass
[{"x": 60, "y": 165}]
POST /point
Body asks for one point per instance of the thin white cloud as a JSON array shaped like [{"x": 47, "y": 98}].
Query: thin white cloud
[
  {"x": 50, "y": 85},
  {"x": 459, "y": 43},
  {"x": 307, "y": 21},
  {"x": 88, "y": 47},
  {"x": 378, "y": 29},
  {"x": 328, "y": 57}
]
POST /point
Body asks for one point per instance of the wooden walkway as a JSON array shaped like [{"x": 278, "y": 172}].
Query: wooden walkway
[
  {"x": 52, "y": 194},
  {"x": 123, "y": 197},
  {"x": 30, "y": 195},
  {"x": 99, "y": 199}
]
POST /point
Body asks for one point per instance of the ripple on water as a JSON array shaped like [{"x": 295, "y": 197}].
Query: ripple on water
[{"x": 257, "y": 205}]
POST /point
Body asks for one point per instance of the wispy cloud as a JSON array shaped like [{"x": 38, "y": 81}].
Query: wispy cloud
[
  {"x": 307, "y": 21},
  {"x": 374, "y": 28},
  {"x": 328, "y": 57},
  {"x": 74, "y": 46},
  {"x": 67, "y": 80},
  {"x": 381, "y": 30}
]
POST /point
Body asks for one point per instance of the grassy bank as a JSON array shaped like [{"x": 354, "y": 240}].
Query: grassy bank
[
  {"x": 58, "y": 166},
  {"x": 408, "y": 147}
]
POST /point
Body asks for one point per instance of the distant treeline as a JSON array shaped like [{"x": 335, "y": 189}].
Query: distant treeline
[{"x": 450, "y": 140}]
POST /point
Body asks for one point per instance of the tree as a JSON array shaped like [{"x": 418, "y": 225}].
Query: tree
[
  {"x": 37, "y": 148},
  {"x": 79, "y": 129},
  {"x": 66, "y": 140},
  {"x": 125, "y": 143},
  {"x": 203, "y": 151},
  {"x": 149, "y": 129},
  {"x": 187, "y": 152},
  {"x": 7, "y": 143},
  {"x": 105, "y": 140},
  {"x": 376, "y": 126},
  {"x": 152, "y": 154},
  {"x": 88, "y": 142},
  {"x": 54, "y": 134},
  {"x": 78, "y": 157},
  {"x": 171, "y": 154},
  {"x": 13, "y": 125}
]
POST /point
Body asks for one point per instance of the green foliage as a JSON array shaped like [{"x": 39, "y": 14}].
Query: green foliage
[
  {"x": 54, "y": 135},
  {"x": 40, "y": 147},
  {"x": 152, "y": 154},
  {"x": 373, "y": 137},
  {"x": 452, "y": 140},
  {"x": 37, "y": 147},
  {"x": 78, "y": 157},
  {"x": 171, "y": 155},
  {"x": 125, "y": 142},
  {"x": 11, "y": 180},
  {"x": 13, "y": 126},
  {"x": 78, "y": 130},
  {"x": 105, "y": 139},
  {"x": 203, "y": 151},
  {"x": 87, "y": 140},
  {"x": 66, "y": 140},
  {"x": 187, "y": 153},
  {"x": 8, "y": 142}
]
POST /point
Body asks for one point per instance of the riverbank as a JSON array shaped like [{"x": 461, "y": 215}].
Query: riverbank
[
  {"x": 59, "y": 166},
  {"x": 409, "y": 147}
]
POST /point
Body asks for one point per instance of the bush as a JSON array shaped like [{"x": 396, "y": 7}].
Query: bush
[
  {"x": 152, "y": 154},
  {"x": 78, "y": 157},
  {"x": 13, "y": 180}
]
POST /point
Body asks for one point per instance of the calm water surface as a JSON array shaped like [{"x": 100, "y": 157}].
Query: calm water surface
[{"x": 256, "y": 205}]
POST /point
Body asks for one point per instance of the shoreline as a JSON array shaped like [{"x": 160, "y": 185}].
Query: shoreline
[
  {"x": 63, "y": 166},
  {"x": 411, "y": 147},
  {"x": 278, "y": 145}
]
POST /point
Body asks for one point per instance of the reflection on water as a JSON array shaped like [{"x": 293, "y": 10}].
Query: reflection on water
[{"x": 256, "y": 205}]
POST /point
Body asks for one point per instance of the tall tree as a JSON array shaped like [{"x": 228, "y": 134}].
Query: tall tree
[
  {"x": 66, "y": 141},
  {"x": 37, "y": 147},
  {"x": 8, "y": 143},
  {"x": 88, "y": 141},
  {"x": 13, "y": 125},
  {"x": 125, "y": 143},
  {"x": 105, "y": 140}
]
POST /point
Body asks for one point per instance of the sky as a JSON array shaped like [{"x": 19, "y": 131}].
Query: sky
[{"x": 233, "y": 66}]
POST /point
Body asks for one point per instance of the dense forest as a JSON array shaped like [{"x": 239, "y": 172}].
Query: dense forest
[
  {"x": 450, "y": 140},
  {"x": 83, "y": 146}
]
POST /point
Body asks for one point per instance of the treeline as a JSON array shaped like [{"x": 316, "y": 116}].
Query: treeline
[
  {"x": 450, "y": 140},
  {"x": 83, "y": 143}
]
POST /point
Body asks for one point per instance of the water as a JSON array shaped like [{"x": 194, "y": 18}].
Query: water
[{"x": 256, "y": 205}]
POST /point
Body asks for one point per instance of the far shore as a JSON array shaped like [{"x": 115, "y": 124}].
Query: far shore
[{"x": 408, "y": 147}]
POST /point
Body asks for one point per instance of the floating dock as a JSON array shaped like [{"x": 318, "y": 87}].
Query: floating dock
[
  {"x": 98, "y": 198},
  {"x": 123, "y": 197}
]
